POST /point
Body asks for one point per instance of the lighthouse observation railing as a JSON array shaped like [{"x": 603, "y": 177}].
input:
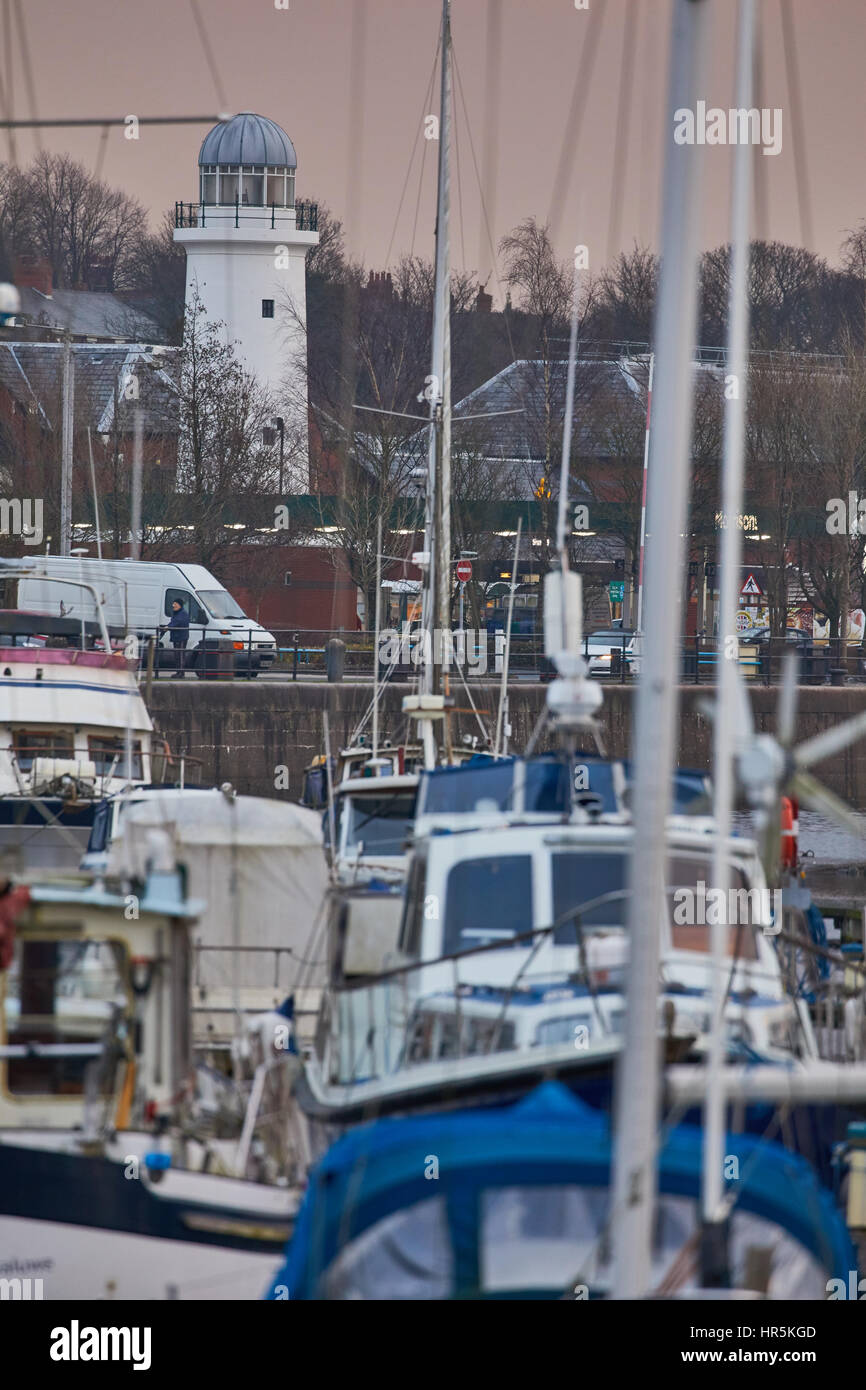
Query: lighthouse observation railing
[{"x": 306, "y": 215}]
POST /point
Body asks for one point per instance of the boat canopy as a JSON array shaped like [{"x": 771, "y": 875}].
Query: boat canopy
[
  {"x": 539, "y": 785},
  {"x": 513, "y": 1202}
]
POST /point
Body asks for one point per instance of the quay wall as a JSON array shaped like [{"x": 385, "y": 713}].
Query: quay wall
[{"x": 244, "y": 732}]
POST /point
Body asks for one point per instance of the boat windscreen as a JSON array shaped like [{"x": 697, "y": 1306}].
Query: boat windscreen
[
  {"x": 582, "y": 877},
  {"x": 381, "y": 824},
  {"x": 487, "y": 900},
  {"x": 462, "y": 789}
]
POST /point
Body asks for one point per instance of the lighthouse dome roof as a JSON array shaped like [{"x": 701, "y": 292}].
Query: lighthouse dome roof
[{"x": 248, "y": 139}]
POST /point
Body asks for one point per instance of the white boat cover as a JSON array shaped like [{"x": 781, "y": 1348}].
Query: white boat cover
[{"x": 260, "y": 867}]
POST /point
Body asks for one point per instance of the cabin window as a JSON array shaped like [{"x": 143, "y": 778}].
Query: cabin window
[
  {"x": 689, "y": 906},
  {"x": 436, "y": 1036},
  {"x": 487, "y": 900},
  {"x": 582, "y": 878},
  {"x": 406, "y": 1255},
  {"x": 413, "y": 914},
  {"x": 109, "y": 756},
  {"x": 61, "y": 992},
  {"x": 456, "y": 790},
  {"x": 579, "y": 879},
  {"x": 28, "y": 744},
  {"x": 379, "y": 824}
]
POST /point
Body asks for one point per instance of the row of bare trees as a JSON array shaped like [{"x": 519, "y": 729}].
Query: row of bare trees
[{"x": 93, "y": 236}]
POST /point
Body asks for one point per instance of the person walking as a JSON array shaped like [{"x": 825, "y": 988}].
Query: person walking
[{"x": 178, "y": 634}]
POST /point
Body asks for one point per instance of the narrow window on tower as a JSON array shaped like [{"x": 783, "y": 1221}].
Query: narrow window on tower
[{"x": 267, "y": 308}]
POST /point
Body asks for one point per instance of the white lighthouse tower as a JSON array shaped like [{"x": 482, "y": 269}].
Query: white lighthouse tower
[{"x": 246, "y": 242}]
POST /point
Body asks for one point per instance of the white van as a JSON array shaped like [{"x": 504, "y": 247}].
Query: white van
[{"x": 137, "y": 597}]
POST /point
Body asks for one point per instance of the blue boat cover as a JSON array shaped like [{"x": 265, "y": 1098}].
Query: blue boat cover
[{"x": 549, "y": 1139}]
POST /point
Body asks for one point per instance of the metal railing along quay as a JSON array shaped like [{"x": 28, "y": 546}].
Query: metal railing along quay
[{"x": 317, "y": 653}]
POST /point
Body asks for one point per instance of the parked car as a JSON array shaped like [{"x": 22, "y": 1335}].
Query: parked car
[
  {"x": 599, "y": 650},
  {"x": 761, "y": 636}
]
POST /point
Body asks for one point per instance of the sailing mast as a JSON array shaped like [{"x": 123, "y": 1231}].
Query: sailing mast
[
  {"x": 637, "y": 1092},
  {"x": 436, "y": 603},
  {"x": 714, "y": 1230}
]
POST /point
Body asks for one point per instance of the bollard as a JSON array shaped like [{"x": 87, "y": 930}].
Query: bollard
[{"x": 335, "y": 656}]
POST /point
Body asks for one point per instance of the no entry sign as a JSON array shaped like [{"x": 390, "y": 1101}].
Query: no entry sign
[{"x": 464, "y": 570}]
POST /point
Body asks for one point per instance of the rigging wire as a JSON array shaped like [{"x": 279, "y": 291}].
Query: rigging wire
[
  {"x": 418, "y": 200},
  {"x": 357, "y": 55},
  {"x": 459, "y": 193},
  {"x": 24, "y": 46},
  {"x": 492, "y": 76},
  {"x": 795, "y": 94},
  {"x": 208, "y": 54},
  {"x": 623, "y": 120},
  {"x": 8, "y": 95},
  {"x": 428, "y": 97},
  {"x": 574, "y": 120},
  {"x": 499, "y": 283},
  {"x": 648, "y": 65},
  {"x": 759, "y": 165},
  {"x": 100, "y": 153}
]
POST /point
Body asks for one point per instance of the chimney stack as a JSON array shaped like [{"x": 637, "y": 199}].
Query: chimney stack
[{"x": 33, "y": 273}]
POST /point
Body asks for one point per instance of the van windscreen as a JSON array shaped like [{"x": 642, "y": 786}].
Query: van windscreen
[{"x": 220, "y": 603}]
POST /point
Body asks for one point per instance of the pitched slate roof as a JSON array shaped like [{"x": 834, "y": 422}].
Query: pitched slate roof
[
  {"x": 527, "y": 385},
  {"x": 32, "y": 373},
  {"x": 88, "y": 314}
]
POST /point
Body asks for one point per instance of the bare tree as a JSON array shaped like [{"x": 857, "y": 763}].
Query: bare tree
[
  {"x": 223, "y": 413},
  {"x": 58, "y": 211},
  {"x": 830, "y": 559}
]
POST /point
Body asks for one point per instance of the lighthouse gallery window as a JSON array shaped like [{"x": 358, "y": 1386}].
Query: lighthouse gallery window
[{"x": 209, "y": 183}]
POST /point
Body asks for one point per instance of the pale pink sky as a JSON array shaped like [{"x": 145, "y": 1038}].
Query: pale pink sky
[{"x": 113, "y": 57}]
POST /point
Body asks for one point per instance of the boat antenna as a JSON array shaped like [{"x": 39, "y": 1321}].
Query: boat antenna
[
  {"x": 376, "y": 638},
  {"x": 572, "y": 699},
  {"x": 562, "y": 527},
  {"x": 95, "y": 495},
  {"x": 501, "y": 721},
  {"x": 329, "y": 782},
  {"x": 441, "y": 363}
]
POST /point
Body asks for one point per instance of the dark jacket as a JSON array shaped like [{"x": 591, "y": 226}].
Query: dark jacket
[{"x": 179, "y": 628}]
